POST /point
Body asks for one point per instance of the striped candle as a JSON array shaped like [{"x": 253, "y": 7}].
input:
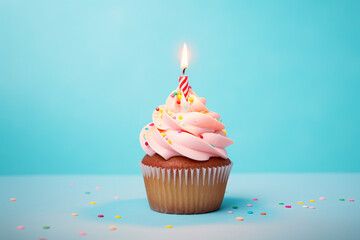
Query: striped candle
[{"x": 184, "y": 85}]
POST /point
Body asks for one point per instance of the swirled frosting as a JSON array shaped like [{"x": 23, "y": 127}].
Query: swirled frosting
[{"x": 185, "y": 128}]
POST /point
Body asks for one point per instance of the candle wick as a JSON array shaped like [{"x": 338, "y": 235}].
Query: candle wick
[{"x": 184, "y": 71}]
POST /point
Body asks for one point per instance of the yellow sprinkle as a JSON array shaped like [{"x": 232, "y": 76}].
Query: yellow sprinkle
[
  {"x": 169, "y": 112},
  {"x": 169, "y": 141},
  {"x": 240, "y": 218},
  {"x": 163, "y": 134},
  {"x": 112, "y": 228},
  {"x": 203, "y": 112},
  {"x": 179, "y": 97},
  {"x": 300, "y": 202},
  {"x": 144, "y": 134},
  {"x": 224, "y": 131},
  {"x": 75, "y": 214},
  {"x": 161, "y": 110},
  {"x": 191, "y": 99},
  {"x": 169, "y": 226},
  {"x": 180, "y": 117},
  {"x": 312, "y": 200},
  {"x": 161, "y": 116},
  {"x": 117, "y": 216},
  {"x": 92, "y": 202}
]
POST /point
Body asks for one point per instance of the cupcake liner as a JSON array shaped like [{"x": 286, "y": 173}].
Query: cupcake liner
[{"x": 185, "y": 191}]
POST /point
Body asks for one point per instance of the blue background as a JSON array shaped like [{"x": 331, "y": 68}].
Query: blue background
[{"x": 79, "y": 79}]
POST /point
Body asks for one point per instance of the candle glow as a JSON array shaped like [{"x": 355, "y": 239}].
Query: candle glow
[{"x": 184, "y": 58}]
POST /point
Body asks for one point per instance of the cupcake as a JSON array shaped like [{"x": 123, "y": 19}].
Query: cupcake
[{"x": 186, "y": 166}]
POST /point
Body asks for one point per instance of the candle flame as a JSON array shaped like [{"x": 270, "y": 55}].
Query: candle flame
[{"x": 184, "y": 58}]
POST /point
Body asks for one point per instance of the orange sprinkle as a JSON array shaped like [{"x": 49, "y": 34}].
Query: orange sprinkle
[
  {"x": 224, "y": 131},
  {"x": 75, "y": 214},
  {"x": 191, "y": 99},
  {"x": 13, "y": 199}
]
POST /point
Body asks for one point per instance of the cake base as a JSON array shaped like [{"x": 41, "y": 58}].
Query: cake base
[{"x": 184, "y": 186}]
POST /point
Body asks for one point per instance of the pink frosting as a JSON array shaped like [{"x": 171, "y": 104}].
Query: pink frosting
[{"x": 187, "y": 129}]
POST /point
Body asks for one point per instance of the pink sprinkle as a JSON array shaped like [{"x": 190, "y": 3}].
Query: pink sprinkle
[
  {"x": 230, "y": 211},
  {"x": 100, "y": 216},
  {"x": 98, "y": 188},
  {"x": 351, "y": 200},
  {"x": 312, "y": 207},
  {"x": 288, "y": 206},
  {"x": 322, "y": 198},
  {"x": 174, "y": 117},
  {"x": 42, "y": 239},
  {"x": 20, "y": 227},
  {"x": 179, "y": 131},
  {"x": 82, "y": 233},
  {"x": 255, "y": 199},
  {"x": 172, "y": 95},
  {"x": 249, "y": 205},
  {"x": 151, "y": 124},
  {"x": 117, "y": 198},
  {"x": 72, "y": 184}
]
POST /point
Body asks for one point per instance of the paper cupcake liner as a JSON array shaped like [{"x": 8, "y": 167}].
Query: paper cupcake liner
[{"x": 185, "y": 191}]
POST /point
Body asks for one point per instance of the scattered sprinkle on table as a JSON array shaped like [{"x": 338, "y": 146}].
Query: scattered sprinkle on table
[
  {"x": 240, "y": 218},
  {"x": 312, "y": 200},
  {"x": 92, "y": 202},
  {"x": 288, "y": 206},
  {"x": 249, "y": 205},
  {"x": 281, "y": 203},
  {"x": 235, "y": 207},
  {"x": 117, "y": 216},
  {"x": 13, "y": 199},
  {"x": 341, "y": 199},
  {"x": 100, "y": 216},
  {"x": 117, "y": 198},
  {"x": 20, "y": 227},
  {"x": 46, "y": 227},
  {"x": 263, "y": 213},
  {"x": 250, "y": 212},
  {"x": 82, "y": 233},
  {"x": 305, "y": 206},
  {"x": 169, "y": 226},
  {"x": 255, "y": 199},
  {"x": 322, "y": 198},
  {"x": 98, "y": 188},
  {"x": 351, "y": 200},
  {"x": 312, "y": 207},
  {"x": 112, "y": 228},
  {"x": 42, "y": 239},
  {"x": 72, "y": 184},
  {"x": 300, "y": 202},
  {"x": 75, "y": 214},
  {"x": 230, "y": 212},
  {"x": 87, "y": 192}
]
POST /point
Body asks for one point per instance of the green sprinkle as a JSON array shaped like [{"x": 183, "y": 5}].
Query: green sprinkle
[
  {"x": 281, "y": 203},
  {"x": 186, "y": 107},
  {"x": 146, "y": 129},
  {"x": 341, "y": 199},
  {"x": 182, "y": 124},
  {"x": 220, "y": 120},
  {"x": 87, "y": 192},
  {"x": 235, "y": 207},
  {"x": 46, "y": 227},
  {"x": 175, "y": 93}
]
